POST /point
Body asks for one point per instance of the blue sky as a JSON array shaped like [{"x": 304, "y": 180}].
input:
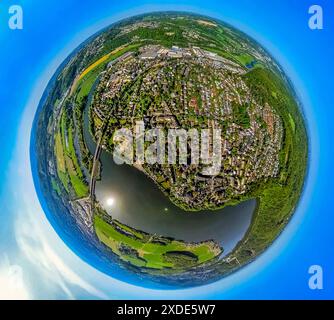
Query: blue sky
[{"x": 52, "y": 29}]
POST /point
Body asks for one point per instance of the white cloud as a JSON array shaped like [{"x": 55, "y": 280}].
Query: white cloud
[
  {"x": 39, "y": 252},
  {"x": 12, "y": 284}
]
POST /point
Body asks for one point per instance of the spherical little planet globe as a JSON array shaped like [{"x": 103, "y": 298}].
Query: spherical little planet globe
[{"x": 170, "y": 150}]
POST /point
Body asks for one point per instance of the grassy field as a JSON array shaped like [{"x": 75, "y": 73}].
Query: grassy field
[
  {"x": 151, "y": 251},
  {"x": 60, "y": 161},
  {"x": 100, "y": 61},
  {"x": 68, "y": 168},
  {"x": 245, "y": 59},
  {"x": 87, "y": 78}
]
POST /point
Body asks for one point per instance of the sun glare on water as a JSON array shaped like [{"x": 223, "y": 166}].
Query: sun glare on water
[{"x": 110, "y": 202}]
